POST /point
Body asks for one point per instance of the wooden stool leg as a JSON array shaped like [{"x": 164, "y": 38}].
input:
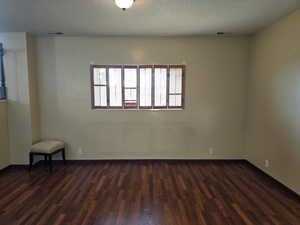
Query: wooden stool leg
[
  {"x": 63, "y": 152},
  {"x": 45, "y": 160},
  {"x": 30, "y": 160},
  {"x": 50, "y": 163}
]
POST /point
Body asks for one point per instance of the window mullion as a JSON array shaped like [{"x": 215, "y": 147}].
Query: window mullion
[
  {"x": 168, "y": 86},
  {"x": 92, "y": 86},
  {"x": 107, "y": 87},
  {"x": 138, "y": 87},
  {"x": 152, "y": 87},
  {"x": 123, "y": 87},
  {"x": 182, "y": 86}
]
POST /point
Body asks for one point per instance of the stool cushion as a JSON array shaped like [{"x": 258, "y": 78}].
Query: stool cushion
[{"x": 47, "y": 146}]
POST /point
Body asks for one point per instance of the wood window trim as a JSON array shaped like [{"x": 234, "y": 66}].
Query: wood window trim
[
  {"x": 108, "y": 87},
  {"x": 138, "y": 67},
  {"x": 124, "y": 88},
  {"x": 153, "y": 84},
  {"x": 152, "y": 92},
  {"x": 93, "y": 85},
  {"x": 182, "y": 67}
]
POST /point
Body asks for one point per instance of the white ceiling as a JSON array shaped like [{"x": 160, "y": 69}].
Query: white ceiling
[{"x": 146, "y": 17}]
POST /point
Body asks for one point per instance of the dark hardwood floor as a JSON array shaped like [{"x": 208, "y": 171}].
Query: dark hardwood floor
[{"x": 145, "y": 193}]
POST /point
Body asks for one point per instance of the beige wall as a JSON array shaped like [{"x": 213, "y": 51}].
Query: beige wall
[
  {"x": 33, "y": 88},
  {"x": 215, "y": 98},
  {"x": 15, "y": 64},
  {"x": 4, "y": 142},
  {"x": 17, "y": 60},
  {"x": 274, "y": 101}
]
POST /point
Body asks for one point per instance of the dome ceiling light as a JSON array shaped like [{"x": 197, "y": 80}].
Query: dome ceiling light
[{"x": 124, "y": 4}]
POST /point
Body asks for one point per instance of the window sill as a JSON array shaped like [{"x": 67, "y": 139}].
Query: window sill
[
  {"x": 3, "y": 100},
  {"x": 137, "y": 110}
]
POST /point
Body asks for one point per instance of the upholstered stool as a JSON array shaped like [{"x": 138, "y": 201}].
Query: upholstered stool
[{"x": 47, "y": 149}]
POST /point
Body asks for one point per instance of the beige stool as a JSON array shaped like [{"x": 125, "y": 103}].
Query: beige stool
[{"x": 47, "y": 149}]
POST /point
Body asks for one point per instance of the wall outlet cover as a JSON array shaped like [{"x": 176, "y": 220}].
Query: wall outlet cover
[{"x": 267, "y": 163}]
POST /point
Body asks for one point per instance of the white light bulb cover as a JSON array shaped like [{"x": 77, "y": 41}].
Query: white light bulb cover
[{"x": 124, "y": 4}]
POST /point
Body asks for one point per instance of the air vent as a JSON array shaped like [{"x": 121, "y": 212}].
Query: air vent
[{"x": 56, "y": 33}]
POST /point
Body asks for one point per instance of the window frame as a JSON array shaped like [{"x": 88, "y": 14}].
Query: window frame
[
  {"x": 182, "y": 86},
  {"x": 137, "y": 86},
  {"x": 152, "y": 91},
  {"x": 137, "y": 67},
  {"x": 153, "y": 85},
  {"x": 3, "y": 94},
  {"x": 93, "y": 85},
  {"x": 122, "y": 86}
]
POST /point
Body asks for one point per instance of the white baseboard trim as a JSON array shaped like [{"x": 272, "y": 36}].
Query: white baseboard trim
[
  {"x": 139, "y": 156},
  {"x": 135, "y": 156},
  {"x": 274, "y": 176}
]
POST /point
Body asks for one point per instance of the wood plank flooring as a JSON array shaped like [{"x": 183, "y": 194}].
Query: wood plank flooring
[{"x": 145, "y": 193}]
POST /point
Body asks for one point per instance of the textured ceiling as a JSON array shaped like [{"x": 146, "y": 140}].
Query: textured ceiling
[{"x": 146, "y": 17}]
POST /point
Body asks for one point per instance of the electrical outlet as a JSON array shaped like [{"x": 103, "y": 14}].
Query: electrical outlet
[
  {"x": 267, "y": 163},
  {"x": 211, "y": 151}
]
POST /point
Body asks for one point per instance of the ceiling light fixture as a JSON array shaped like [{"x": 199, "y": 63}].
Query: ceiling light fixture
[{"x": 124, "y": 4}]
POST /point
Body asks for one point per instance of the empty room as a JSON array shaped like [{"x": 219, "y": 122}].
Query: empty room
[{"x": 143, "y": 112}]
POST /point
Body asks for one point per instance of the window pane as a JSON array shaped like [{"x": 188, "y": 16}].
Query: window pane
[
  {"x": 115, "y": 86},
  {"x": 145, "y": 87},
  {"x": 130, "y": 82},
  {"x": 175, "y": 80},
  {"x": 130, "y": 94},
  {"x": 100, "y": 76},
  {"x": 160, "y": 92},
  {"x": 100, "y": 98},
  {"x": 175, "y": 100},
  {"x": 130, "y": 77}
]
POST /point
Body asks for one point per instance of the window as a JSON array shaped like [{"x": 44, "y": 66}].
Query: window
[
  {"x": 145, "y": 86},
  {"x": 160, "y": 87},
  {"x": 115, "y": 87},
  {"x": 175, "y": 87},
  {"x": 137, "y": 87},
  {"x": 2, "y": 77},
  {"x": 130, "y": 87}
]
